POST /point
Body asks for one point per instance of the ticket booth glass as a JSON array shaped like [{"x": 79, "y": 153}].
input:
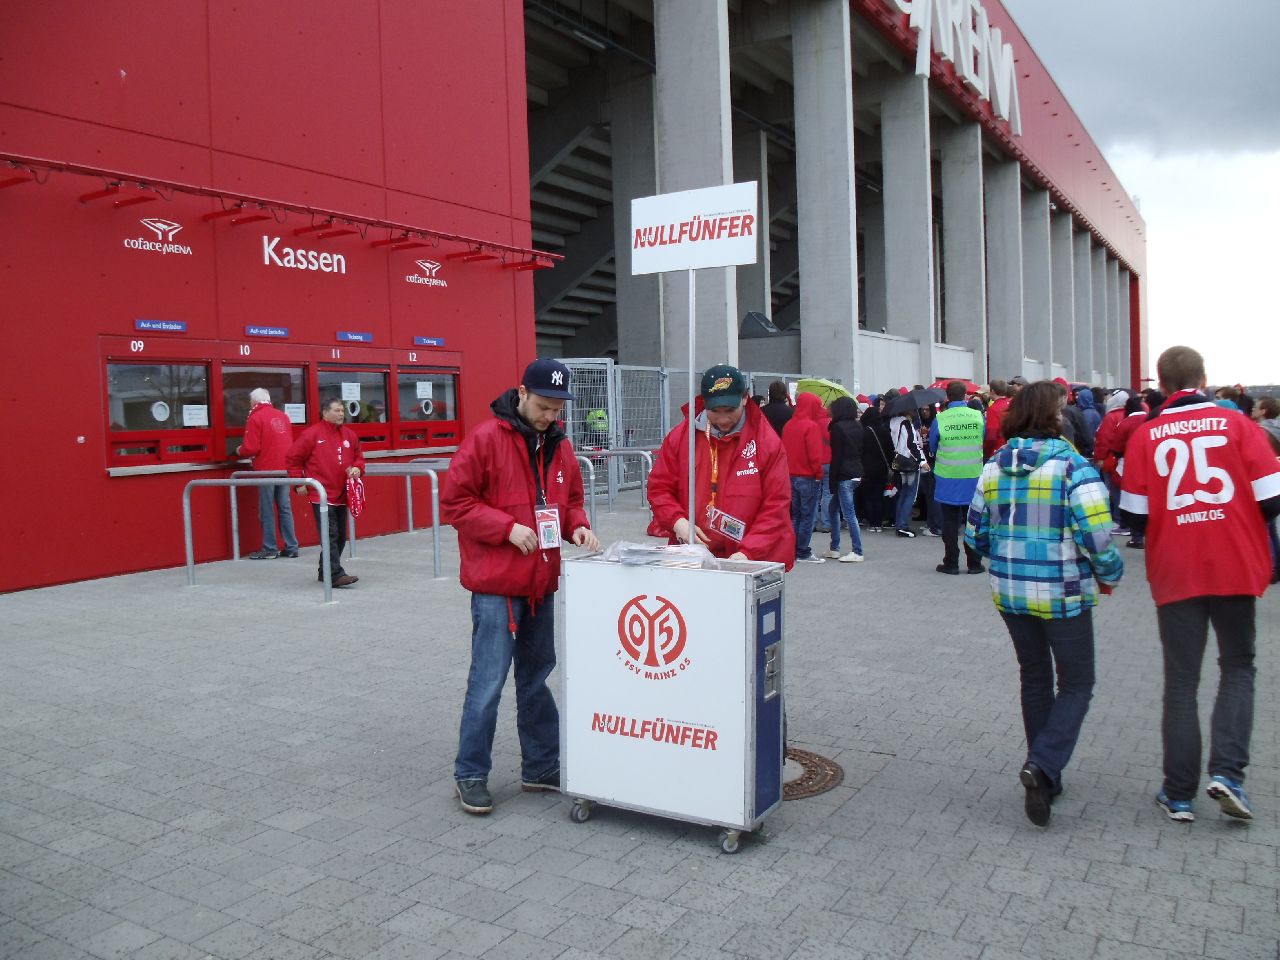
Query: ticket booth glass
[
  {"x": 364, "y": 394},
  {"x": 285, "y": 384},
  {"x": 427, "y": 404},
  {"x": 158, "y": 412}
]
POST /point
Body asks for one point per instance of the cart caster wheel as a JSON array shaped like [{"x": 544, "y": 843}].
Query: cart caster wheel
[
  {"x": 730, "y": 841},
  {"x": 580, "y": 812}
]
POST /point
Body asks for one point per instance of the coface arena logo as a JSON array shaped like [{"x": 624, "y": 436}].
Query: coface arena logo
[
  {"x": 428, "y": 267},
  {"x": 652, "y": 637},
  {"x": 165, "y": 231}
]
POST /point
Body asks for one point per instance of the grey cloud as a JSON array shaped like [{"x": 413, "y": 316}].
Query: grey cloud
[{"x": 1173, "y": 76}]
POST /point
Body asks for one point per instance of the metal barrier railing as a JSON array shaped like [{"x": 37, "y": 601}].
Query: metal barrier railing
[
  {"x": 646, "y": 467},
  {"x": 235, "y": 510},
  {"x": 409, "y": 471},
  {"x": 591, "y": 488},
  {"x": 371, "y": 470},
  {"x": 326, "y": 562}
]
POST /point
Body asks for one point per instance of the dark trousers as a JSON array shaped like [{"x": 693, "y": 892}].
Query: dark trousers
[
  {"x": 337, "y": 538},
  {"x": 953, "y": 518},
  {"x": 1052, "y": 721},
  {"x": 1184, "y": 632}
]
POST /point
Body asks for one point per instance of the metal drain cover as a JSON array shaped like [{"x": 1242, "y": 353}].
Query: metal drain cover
[{"x": 819, "y": 776}]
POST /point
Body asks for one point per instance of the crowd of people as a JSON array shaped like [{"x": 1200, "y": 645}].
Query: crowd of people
[{"x": 1034, "y": 483}]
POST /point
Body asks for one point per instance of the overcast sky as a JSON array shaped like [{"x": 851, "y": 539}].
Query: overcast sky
[{"x": 1183, "y": 98}]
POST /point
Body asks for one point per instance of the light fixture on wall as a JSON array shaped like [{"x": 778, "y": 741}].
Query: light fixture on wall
[{"x": 590, "y": 39}]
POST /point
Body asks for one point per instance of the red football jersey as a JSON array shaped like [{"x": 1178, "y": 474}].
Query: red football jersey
[{"x": 1198, "y": 471}]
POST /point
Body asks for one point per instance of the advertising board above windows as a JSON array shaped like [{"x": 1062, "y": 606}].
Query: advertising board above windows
[{"x": 961, "y": 34}]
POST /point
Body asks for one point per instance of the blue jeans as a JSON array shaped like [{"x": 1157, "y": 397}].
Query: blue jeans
[
  {"x": 842, "y": 503},
  {"x": 907, "y": 499},
  {"x": 273, "y": 500},
  {"x": 1184, "y": 633},
  {"x": 1052, "y": 721},
  {"x": 804, "y": 511},
  {"x": 824, "y": 495},
  {"x": 493, "y": 649}
]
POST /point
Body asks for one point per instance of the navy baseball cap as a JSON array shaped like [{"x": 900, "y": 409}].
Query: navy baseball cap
[
  {"x": 548, "y": 378},
  {"x": 723, "y": 386}
]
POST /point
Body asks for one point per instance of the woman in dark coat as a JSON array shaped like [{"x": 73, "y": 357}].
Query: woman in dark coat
[
  {"x": 877, "y": 450},
  {"x": 845, "y": 477}
]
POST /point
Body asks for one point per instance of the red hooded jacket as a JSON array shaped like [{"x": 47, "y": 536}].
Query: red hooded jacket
[
  {"x": 752, "y": 484},
  {"x": 268, "y": 434},
  {"x": 992, "y": 433},
  {"x": 490, "y": 488},
  {"x": 324, "y": 452},
  {"x": 802, "y": 438}
]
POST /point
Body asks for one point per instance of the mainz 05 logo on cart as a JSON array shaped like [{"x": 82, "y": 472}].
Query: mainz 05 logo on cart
[
  {"x": 651, "y": 637},
  {"x": 165, "y": 231}
]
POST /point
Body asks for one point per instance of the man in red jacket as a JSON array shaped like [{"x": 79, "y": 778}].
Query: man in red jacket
[
  {"x": 267, "y": 437},
  {"x": 743, "y": 493},
  {"x": 1208, "y": 484},
  {"x": 329, "y": 452},
  {"x": 513, "y": 492},
  {"x": 802, "y": 438}
]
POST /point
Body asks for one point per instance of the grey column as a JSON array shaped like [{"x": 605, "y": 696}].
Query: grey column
[
  {"x": 1064, "y": 347},
  {"x": 1083, "y": 261},
  {"x": 751, "y": 162},
  {"x": 1113, "y": 321},
  {"x": 825, "y": 202},
  {"x": 1101, "y": 351},
  {"x": 963, "y": 243},
  {"x": 694, "y": 129},
  {"x": 1037, "y": 292},
  {"x": 871, "y": 211},
  {"x": 908, "y": 213},
  {"x": 1004, "y": 268},
  {"x": 1127, "y": 378},
  {"x": 635, "y": 174}
]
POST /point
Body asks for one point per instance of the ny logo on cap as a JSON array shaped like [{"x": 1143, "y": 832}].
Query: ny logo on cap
[{"x": 557, "y": 377}]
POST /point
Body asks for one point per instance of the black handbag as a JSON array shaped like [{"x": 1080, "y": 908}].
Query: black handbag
[{"x": 903, "y": 464}]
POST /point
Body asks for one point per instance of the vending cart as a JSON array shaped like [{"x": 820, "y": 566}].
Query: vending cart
[{"x": 673, "y": 689}]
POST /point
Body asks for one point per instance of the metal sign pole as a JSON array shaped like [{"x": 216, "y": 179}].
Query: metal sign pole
[{"x": 693, "y": 471}]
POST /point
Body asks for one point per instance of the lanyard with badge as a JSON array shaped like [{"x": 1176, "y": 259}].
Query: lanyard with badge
[
  {"x": 546, "y": 517},
  {"x": 723, "y": 523}
]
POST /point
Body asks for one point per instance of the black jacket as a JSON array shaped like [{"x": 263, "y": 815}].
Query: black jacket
[
  {"x": 846, "y": 442},
  {"x": 777, "y": 412},
  {"x": 877, "y": 448}
]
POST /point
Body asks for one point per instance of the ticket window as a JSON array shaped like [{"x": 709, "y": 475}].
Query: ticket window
[
  {"x": 285, "y": 384},
  {"x": 158, "y": 413},
  {"x": 364, "y": 395},
  {"x": 427, "y": 403}
]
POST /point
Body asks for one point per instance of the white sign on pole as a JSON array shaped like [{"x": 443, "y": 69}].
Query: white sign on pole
[{"x": 711, "y": 227}]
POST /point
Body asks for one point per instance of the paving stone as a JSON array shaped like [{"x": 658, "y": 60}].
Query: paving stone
[{"x": 293, "y": 800}]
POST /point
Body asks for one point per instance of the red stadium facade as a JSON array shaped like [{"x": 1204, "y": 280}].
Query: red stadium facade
[{"x": 358, "y": 200}]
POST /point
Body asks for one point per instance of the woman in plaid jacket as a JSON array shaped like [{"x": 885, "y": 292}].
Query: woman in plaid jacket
[{"x": 1041, "y": 515}]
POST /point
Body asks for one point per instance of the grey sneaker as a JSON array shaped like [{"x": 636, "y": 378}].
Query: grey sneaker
[
  {"x": 263, "y": 555},
  {"x": 474, "y": 796},
  {"x": 548, "y": 781}
]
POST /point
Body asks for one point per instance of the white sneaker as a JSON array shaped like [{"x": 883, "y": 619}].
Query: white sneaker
[
  {"x": 812, "y": 558},
  {"x": 833, "y": 554},
  {"x": 851, "y": 557}
]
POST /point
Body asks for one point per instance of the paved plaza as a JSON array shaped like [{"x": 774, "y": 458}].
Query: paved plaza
[{"x": 237, "y": 770}]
